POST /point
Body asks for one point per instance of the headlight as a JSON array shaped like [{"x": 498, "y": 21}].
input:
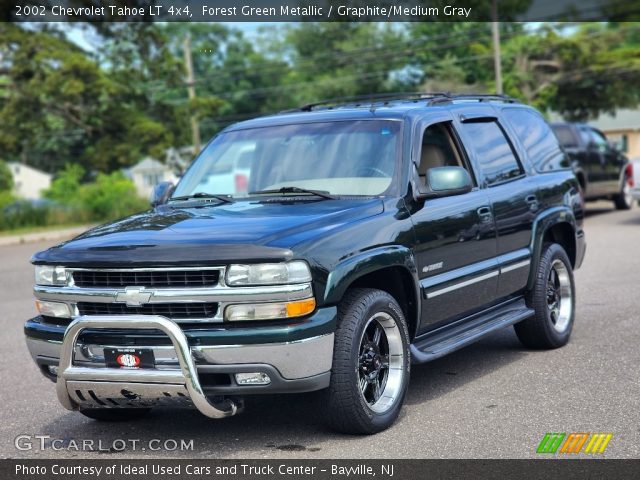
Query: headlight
[
  {"x": 49, "y": 275},
  {"x": 269, "y": 311},
  {"x": 268, "y": 273}
]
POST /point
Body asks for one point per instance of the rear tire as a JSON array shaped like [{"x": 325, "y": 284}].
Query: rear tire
[
  {"x": 115, "y": 414},
  {"x": 553, "y": 300},
  {"x": 624, "y": 200},
  {"x": 371, "y": 363}
]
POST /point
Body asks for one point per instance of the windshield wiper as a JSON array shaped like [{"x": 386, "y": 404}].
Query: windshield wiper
[
  {"x": 285, "y": 190},
  {"x": 197, "y": 195}
]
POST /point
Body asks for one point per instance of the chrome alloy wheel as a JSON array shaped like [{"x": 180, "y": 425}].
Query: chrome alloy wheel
[
  {"x": 559, "y": 296},
  {"x": 380, "y": 362}
]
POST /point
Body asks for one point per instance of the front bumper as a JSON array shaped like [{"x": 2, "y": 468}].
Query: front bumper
[{"x": 188, "y": 371}]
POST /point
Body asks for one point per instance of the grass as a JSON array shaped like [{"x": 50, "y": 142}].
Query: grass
[{"x": 27, "y": 230}]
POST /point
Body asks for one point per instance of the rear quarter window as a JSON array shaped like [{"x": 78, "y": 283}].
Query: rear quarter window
[{"x": 538, "y": 140}]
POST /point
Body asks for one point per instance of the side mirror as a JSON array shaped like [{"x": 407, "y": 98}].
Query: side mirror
[
  {"x": 161, "y": 193},
  {"x": 446, "y": 181}
]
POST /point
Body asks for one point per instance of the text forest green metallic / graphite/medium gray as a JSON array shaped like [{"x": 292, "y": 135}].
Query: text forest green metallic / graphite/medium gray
[{"x": 446, "y": 252}]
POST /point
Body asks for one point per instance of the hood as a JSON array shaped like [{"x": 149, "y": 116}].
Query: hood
[{"x": 263, "y": 230}]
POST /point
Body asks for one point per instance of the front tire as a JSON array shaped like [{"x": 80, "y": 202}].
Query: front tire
[
  {"x": 371, "y": 363},
  {"x": 553, "y": 300}
]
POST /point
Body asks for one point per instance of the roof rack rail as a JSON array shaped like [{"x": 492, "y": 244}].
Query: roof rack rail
[
  {"x": 432, "y": 98},
  {"x": 480, "y": 97},
  {"x": 365, "y": 99}
]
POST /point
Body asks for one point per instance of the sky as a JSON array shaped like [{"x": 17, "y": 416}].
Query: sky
[{"x": 82, "y": 37}]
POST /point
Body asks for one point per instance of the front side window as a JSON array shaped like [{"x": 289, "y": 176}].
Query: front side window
[
  {"x": 342, "y": 158},
  {"x": 585, "y": 135},
  {"x": 497, "y": 159},
  {"x": 599, "y": 140},
  {"x": 438, "y": 149}
]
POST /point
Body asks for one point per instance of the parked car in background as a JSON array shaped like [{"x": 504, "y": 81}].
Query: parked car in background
[
  {"x": 233, "y": 167},
  {"x": 634, "y": 175},
  {"x": 601, "y": 169}
]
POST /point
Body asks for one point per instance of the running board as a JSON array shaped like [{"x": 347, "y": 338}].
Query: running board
[{"x": 449, "y": 338}]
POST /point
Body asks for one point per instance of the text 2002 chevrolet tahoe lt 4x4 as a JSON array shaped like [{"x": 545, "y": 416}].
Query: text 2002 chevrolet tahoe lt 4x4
[{"x": 357, "y": 239}]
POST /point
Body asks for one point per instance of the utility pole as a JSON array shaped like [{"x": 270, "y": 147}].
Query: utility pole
[
  {"x": 495, "y": 33},
  {"x": 191, "y": 88}
]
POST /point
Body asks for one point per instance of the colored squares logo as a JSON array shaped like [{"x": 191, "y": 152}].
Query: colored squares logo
[
  {"x": 574, "y": 443},
  {"x": 598, "y": 443}
]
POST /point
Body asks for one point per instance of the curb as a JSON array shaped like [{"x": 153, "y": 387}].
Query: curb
[{"x": 63, "y": 234}]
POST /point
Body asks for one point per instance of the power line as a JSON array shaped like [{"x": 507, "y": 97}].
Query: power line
[
  {"x": 373, "y": 74},
  {"x": 341, "y": 55},
  {"x": 381, "y": 53}
]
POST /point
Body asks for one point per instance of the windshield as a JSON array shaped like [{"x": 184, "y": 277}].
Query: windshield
[{"x": 341, "y": 158}]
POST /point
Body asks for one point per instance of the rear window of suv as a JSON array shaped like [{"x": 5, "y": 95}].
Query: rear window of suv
[{"x": 538, "y": 140}]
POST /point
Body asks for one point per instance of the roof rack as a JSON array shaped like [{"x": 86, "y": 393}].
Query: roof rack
[
  {"x": 480, "y": 97},
  {"x": 367, "y": 99},
  {"x": 433, "y": 98}
]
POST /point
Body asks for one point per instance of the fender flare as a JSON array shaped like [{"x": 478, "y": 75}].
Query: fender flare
[
  {"x": 356, "y": 266},
  {"x": 550, "y": 218}
]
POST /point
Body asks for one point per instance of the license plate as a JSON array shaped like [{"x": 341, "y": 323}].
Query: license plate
[{"x": 129, "y": 358}]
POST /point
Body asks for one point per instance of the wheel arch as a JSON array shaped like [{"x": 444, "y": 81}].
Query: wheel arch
[
  {"x": 556, "y": 226},
  {"x": 391, "y": 269}
]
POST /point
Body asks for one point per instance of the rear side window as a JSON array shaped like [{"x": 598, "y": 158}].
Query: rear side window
[
  {"x": 497, "y": 159},
  {"x": 537, "y": 139}
]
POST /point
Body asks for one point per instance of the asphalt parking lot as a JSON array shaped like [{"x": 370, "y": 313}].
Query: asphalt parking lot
[{"x": 494, "y": 399}]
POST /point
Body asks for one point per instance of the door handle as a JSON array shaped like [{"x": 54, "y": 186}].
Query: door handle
[{"x": 485, "y": 214}]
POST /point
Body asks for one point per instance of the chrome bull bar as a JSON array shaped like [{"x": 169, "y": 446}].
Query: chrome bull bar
[{"x": 151, "y": 381}]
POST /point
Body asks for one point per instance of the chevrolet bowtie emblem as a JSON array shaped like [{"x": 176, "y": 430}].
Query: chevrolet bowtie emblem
[{"x": 134, "y": 296}]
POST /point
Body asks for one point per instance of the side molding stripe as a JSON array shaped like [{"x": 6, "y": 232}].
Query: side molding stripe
[
  {"x": 466, "y": 283},
  {"x": 515, "y": 266}
]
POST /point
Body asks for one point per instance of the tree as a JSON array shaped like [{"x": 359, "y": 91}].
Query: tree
[
  {"x": 332, "y": 60},
  {"x": 6, "y": 178},
  {"x": 595, "y": 70},
  {"x": 62, "y": 104}
]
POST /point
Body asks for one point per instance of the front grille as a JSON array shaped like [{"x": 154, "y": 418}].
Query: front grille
[
  {"x": 169, "y": 310},
  {"x": 153, "y": 278}
]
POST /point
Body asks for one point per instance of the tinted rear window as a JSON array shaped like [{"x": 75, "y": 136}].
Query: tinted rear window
[
  {"x": 538, "y": 140},
  {"x": 497, "y": 159}
]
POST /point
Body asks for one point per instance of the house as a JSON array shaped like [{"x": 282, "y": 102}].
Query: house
[
  {"x": 623, "y": 129},
  {"x": 148, "y": 173},
  {"x": 29, "y": 182}
]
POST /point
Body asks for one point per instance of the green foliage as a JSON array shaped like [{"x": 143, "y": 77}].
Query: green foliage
[
  {"x": 64, "y": 188},
  {"x": 6, "y": 178},
  {"x": 6, "y": 198},
  {"x": 106, "y": 108},
  {"x": 595, "y": 70},
  {"x": 110, "y": 197},
  {"x": 64, "y": 103}
]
